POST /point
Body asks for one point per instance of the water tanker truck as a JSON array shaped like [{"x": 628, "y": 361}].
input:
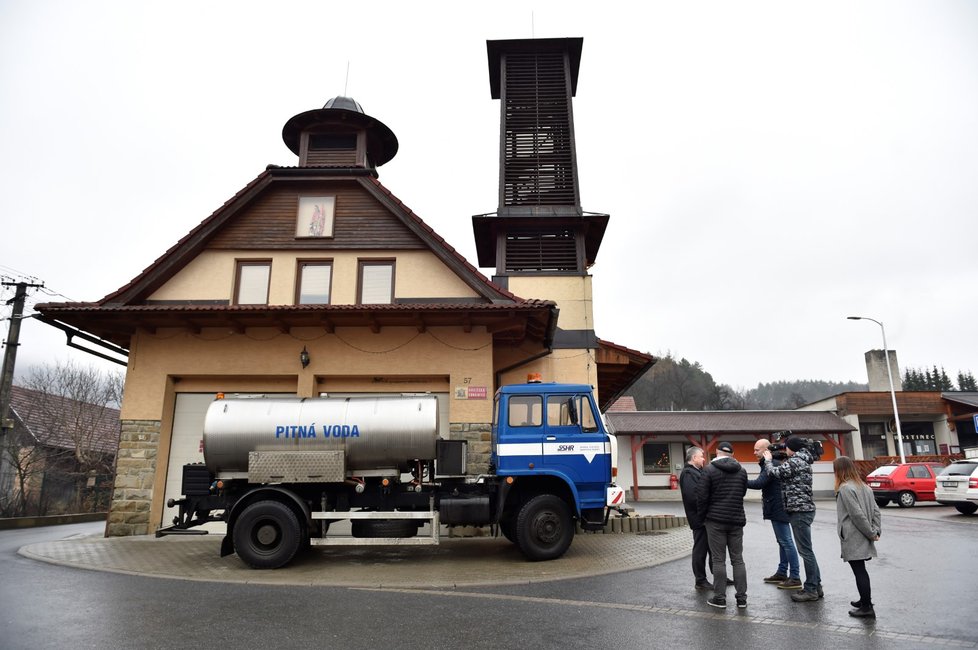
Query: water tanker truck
[{"x": 280, "y": 471}]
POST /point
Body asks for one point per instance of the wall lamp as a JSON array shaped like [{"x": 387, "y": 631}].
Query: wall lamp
[{"x": 304, "y": 357}]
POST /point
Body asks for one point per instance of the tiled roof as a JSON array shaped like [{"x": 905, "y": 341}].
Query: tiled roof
[
  {"x": 52, "y": 420},
  {"x": 727, "y": 422},
  {"x": 624, "y": 404}
]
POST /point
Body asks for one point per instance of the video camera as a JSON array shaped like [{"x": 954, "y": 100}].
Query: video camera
[
  {"x": 814, "y": 447},
  {"x": 777, "y": 440}
]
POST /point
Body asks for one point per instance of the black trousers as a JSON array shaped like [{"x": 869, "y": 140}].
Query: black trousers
[{"x": 701, "y": 553}]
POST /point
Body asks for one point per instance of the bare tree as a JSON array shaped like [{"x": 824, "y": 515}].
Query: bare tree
[
  {"x": 63, "y": 452},
  {"x": 78, "y": 402},
  {"x": 25, "y": 458}
]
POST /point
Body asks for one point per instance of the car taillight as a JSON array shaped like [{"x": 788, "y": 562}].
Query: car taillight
[{"x": 973, "y": 483}]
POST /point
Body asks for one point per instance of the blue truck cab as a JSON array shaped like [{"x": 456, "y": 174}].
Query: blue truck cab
[{"x": 550, "y": 444}]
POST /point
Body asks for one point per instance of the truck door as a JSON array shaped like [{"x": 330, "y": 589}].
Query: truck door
[
  {"x": 575, "y": 446},
  {"x": 519, "y": 443}
]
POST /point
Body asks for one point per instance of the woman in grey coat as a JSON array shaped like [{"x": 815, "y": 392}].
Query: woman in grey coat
[{"x": 859, "y": 529}]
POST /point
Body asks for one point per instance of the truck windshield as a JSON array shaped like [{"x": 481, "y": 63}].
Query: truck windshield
[{"x": 525, "y": 411}]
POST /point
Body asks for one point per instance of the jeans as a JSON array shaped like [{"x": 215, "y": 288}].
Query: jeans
[
  {"x": 789, "y": 556},
  {"x": 723, "y": 537},
  {"x": 801, "y": 526},
  {"x": 701, "y": 550}
]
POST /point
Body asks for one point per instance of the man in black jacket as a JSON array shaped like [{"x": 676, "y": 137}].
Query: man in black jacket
[
  {"x": 720, "y": 499},
  {"x": 689, "y": 480}
]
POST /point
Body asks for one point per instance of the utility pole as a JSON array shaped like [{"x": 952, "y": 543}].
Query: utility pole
[{"x": 10, "y": 355}]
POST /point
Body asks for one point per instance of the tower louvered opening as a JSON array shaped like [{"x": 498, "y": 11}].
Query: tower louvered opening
[
  {"x": 542, "y": 251},
  {"x": 538, "y": 147}
]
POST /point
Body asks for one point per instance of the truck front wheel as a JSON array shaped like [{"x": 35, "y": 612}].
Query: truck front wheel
[
  {"x": 544, "y": 528},
  {"x": 267, "y": 535}
]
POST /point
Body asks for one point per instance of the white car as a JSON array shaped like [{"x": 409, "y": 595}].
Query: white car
[{"x": 957, "y": 485}]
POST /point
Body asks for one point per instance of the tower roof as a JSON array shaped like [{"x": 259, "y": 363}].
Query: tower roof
[{"x": 343, "y": 112}]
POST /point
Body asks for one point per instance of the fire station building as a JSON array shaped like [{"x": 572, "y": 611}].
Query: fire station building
[{"x": 315, "y": 279}]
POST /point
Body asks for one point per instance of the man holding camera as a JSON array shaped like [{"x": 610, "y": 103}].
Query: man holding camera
[{"x": 795, "y": 475}]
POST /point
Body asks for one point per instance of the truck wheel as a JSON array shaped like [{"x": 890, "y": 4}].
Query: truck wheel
[
  {"x": 544, "y": 529},
  {"x": 267, "y": 535}
]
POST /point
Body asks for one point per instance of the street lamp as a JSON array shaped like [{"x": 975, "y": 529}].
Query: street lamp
[{"x": 889, "y": 377}]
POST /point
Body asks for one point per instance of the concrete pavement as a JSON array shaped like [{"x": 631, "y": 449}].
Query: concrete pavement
[{"x": 455, "y": 562}]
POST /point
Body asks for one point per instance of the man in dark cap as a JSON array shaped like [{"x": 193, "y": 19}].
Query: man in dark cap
[
  {"x": 720, "y": 499},
  {"x": 795, "y": 475}
]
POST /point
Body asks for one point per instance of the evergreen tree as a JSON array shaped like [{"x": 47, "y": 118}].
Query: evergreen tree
[{"x": 966, "y": 382}]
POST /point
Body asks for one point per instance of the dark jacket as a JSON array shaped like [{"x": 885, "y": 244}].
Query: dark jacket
[
  {"x": 772, "y": 495},
  {"x": 720, "y": 495},
  {"x": 795, "y": 475},
  {"x": 689, "y": 480}
]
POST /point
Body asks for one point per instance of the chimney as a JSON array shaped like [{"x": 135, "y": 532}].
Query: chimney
[{"x": 876, "y": 371}]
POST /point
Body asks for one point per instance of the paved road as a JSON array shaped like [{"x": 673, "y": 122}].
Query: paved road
[{"x": 923, "y": 582}]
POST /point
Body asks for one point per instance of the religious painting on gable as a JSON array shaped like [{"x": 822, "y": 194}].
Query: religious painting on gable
[{"x": 315, "y": 218}]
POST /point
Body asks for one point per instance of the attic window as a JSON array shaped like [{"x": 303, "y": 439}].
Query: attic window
[{"x": 315, "y": 217}]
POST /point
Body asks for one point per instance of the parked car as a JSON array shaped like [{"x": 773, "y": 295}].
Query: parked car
[
  {"x": 905, "y": 483},
  {"x": 957, "y": 486}
]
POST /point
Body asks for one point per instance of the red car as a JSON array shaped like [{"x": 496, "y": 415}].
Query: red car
[{"x": 905, "y": 483}]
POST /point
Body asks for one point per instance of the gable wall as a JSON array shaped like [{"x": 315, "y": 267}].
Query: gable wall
[
  {"x": 360, "y": 221},
  {"x": 210, "y": 276}
]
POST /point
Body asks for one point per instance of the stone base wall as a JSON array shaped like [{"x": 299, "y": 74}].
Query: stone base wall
[
  {"x": 134, "y": 477},
  {"x": 479, "y": 437}
]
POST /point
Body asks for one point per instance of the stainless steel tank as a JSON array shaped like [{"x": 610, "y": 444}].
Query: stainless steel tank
[{"x": 375, "y": 432}]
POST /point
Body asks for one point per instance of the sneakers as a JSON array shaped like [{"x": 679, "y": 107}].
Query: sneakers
[
  {"x": 720, "y": 603},
  {"x": 742, "y": 603},
  {"x": 789, "y": 583},
  {"x": 821, "y": 594},
  {"x": 705, "y": 584},
  {"x": 777, "y": 577},
  {"x": 805, "y": 596}
]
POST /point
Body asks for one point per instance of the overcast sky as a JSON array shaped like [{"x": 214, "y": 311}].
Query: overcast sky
[{"x": 770, "y": 167}]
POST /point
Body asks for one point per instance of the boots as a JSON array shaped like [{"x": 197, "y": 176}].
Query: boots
[{"x": 862, "y": 611}]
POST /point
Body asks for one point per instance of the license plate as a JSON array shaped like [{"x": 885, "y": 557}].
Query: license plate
[
  {"x": 874, "y": 485},
  {"x": 949, "y": 484}
]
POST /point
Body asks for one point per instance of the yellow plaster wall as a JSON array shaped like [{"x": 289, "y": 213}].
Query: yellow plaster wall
[
  {"x": 267, "y": 360},
  {"x": 210, "y": 276},
  {"x": 571, "y": 293}
]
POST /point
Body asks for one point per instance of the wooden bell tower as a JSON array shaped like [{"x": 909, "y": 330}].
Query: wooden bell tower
[{"x": 540, "y": 241}]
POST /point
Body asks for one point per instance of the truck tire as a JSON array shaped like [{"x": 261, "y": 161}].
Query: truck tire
[
  {"x": 544, "y": 529},
  {"x": 267, "y": 535},
  {"x": 384, "y": 527}
]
